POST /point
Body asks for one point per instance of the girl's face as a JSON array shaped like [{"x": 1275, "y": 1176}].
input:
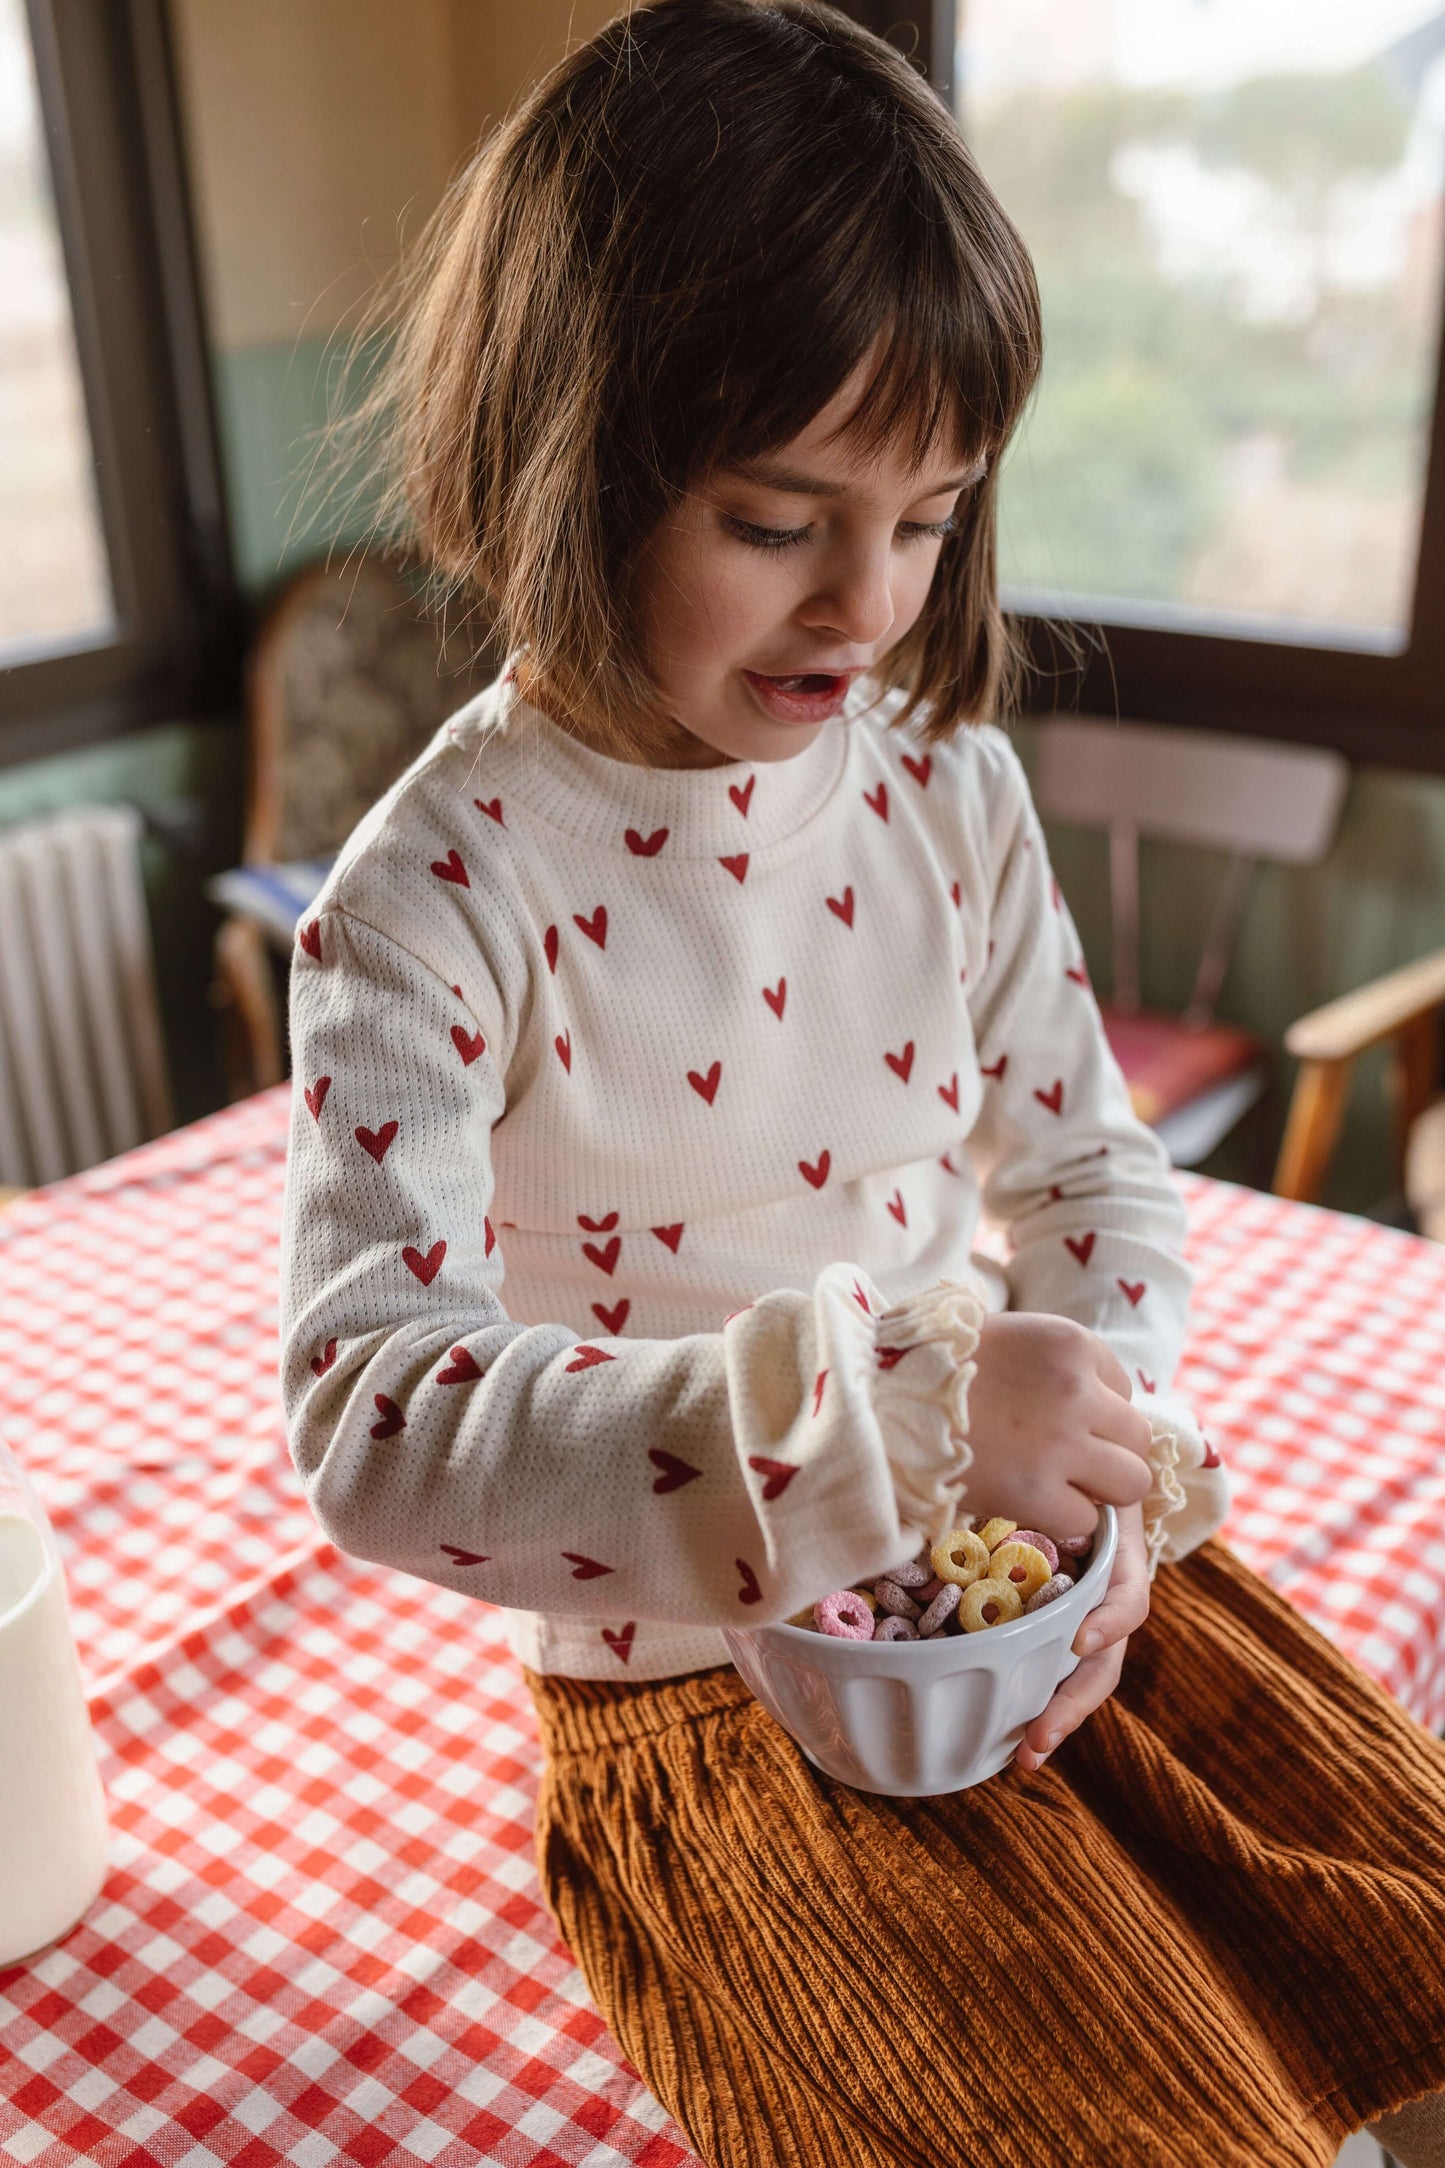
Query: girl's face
[{"x": 806, "y": 562}]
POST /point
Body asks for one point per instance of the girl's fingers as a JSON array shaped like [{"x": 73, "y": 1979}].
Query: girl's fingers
[{"x": 1078, "y": 1697}]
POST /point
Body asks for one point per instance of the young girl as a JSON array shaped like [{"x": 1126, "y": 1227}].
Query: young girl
[{"x": 660, "y": 1041}]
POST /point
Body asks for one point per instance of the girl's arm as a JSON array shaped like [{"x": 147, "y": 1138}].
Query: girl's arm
[
  {"x": 1085, "y": 1189},
  {"x": 726, "y": 1477}
]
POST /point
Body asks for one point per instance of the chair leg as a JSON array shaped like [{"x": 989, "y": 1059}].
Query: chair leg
[
  {"x": 1312, "y": 1130},
  {"x": 244, "y": 992}
]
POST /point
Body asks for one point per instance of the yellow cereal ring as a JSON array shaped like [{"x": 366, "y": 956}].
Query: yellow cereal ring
[
  {"x": 804, "y": 1618},
  {"x": 994, "y": 1532},
  {"x": 1022, "y": 1564},
  {"x": 868, "y": 1597},
  {"x": 988, "y": 1603},
  {"x": 961, "y": 1557}
]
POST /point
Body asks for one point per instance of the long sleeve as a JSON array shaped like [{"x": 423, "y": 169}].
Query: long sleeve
[
  {"x": 1085, "y": 1190},
  {"x": 720, "y": 1478}
]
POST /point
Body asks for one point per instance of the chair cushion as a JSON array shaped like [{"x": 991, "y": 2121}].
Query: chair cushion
[
  {"x": 276, "y": 896},
  {"x": 1167, "y": 1063}
]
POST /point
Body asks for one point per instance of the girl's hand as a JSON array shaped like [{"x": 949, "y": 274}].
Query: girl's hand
[{"x": 1123, "y": 1610}]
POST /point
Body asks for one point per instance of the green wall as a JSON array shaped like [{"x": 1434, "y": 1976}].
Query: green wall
[{"x": 1306, "y": 936}]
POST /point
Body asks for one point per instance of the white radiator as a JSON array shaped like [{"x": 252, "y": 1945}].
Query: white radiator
[{"x": 82, "y": 1057}]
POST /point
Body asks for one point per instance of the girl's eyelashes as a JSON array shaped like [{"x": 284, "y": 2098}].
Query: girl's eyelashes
[{"x": 781, "y": 538}]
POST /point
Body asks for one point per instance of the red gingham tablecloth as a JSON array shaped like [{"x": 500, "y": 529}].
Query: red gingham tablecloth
[{"x": 322, "y": 1936}]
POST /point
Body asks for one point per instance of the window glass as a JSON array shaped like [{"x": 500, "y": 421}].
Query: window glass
[
  {"x": 1235, "y": 211},
  {"x": 54, "y": 580}
]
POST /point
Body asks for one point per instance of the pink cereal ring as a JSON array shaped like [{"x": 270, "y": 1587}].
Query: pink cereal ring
[
  {"x": 1074, "y": 1546},
  {"x": 845, "y": 1615},
  {"x": 1051, "y": 1590},
  {"x": 1040, "y": 1543},
  {"x": 929, "y": 1590},
  {"x": 892, "y": 1628},
  {"x": 940, "y": 1611},
  {"x": 895, "y": 1599},
  {"x": 911, "y": 1575}
]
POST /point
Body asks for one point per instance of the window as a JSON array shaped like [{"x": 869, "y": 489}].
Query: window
[
  {"x": 1231, "y": 482},
  {"x": 116, "y": 599}
]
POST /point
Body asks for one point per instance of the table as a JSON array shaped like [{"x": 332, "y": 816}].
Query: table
[{"x": 322, "y": 1937}]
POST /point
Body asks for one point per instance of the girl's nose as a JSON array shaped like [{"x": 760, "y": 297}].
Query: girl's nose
[{"x": 855, "y": 602}]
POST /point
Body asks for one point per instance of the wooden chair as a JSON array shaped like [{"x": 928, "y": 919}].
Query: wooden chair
[
  {"x": 1402, "y": 1009},
  {"x": 1190, "y": 1077},
  {"x": 348, "y": 680}
]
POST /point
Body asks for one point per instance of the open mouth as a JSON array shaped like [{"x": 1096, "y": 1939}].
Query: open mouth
[{"x": 809, "y": 681}]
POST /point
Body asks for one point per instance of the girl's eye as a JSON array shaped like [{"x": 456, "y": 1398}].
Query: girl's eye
[{"x": 781, "y": 538}]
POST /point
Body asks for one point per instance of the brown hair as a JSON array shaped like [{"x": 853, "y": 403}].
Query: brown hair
[{"x": 669, "y": 259}]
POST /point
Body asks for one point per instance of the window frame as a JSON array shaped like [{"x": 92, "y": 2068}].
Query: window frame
[
  {"x": 1384, "y": 709},
  {"x": 106, "y": 84}
]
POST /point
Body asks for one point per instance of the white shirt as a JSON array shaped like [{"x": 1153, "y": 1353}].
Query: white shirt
[{"x": 634, "y": 1111}]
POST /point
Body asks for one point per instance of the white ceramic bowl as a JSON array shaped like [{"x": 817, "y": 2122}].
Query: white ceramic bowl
[{"x": 915, "y": 1718}]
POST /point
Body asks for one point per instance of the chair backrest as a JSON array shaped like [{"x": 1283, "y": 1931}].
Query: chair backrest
[
  {"x": 1253, "y": 798},
  {"x": 348, "y": 682}
]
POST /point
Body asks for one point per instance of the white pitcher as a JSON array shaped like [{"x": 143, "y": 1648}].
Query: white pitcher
[{"x": 52, "y": 1808}]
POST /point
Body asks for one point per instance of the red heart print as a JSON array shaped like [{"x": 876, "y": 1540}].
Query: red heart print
[
  {"x": 451, "y": 868},
  {"x": 895, "y": 1206},
  {"x": 778, "y": 1475},
  {"x": 890, "y": 1357},
  {"x": 862, "y": 1300},
  {"x": 549, "y": 944},
  {"x": 491, "y": 1241},
  {"x": 1077, "y": 973},
  {"x": 1053, "y": 1098},
  {"x": 392, "y": 1419},
  {"x": 948, "y": 1092},
  {"x": 310, "y": 939},
  {"x": 1082, "y": 1246},
  {"x": 706, "y": 1086},
  {"x": 741, "y": 794},
  {"x": 614, "y": 1319},
  {"x": 749, "y": 1592},
  {"x": 378, "y": 1141},
  {"x": 316, "y": 1096},
  {"x": 901, "y": 1064},
  {"x": 647, "y": 848},
  {"x": 818, "y": 1390},
  {"x": 621, "y": 1644},
  {"x": 957, "y": 894},
  {"x": 997, "y": 1071},
  {"x": 458, "y": 992},
  {"x": 880, "y": 803},
  {"x": 737, "y": 866},
  {"x": 587, "y": 1358},
  {"x": 1134, "y": 1289},
  {"x": 493, "y": 806},
  {"x": 322, "y": 1363},
  {"x": 817, "y": 1175},
  {"x": 842, "y": 906},
  {"x": 426, "y": 1268},
  {"x": 459, "y": 1557},
  {"x": 605, "y": 1257},
  {"x": 597, "y": 1227},
  {"x": 1211, "y": 1458},
  {"x": 920, "y": 770},
  {"x": 563, "y": 1044},
  {"x": 675, "y": 1472},
  {"x": 670, "y": 1235},
  {"x": 1056, "y": 1193},
  {"x": 594, "y": 927},
  {"x": 468, "y": 1045},
  {"x": 584, "y": 1568},
  {"x": 1147, "y": 1383},
  {"x": 463, "y": 1369},
  {"x": 776, "y": 997}
]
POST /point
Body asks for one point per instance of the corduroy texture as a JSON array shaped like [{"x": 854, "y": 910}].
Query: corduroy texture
[{"x": 1209, "y": 1933}]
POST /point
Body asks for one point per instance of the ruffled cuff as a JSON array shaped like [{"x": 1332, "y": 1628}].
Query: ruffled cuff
[
  {"x": 925, "y": 1368},
  {"x": 1191, "y": 1492}
]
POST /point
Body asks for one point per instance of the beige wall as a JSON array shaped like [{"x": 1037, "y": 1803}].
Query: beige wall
[{"x": 315, "y": 126}]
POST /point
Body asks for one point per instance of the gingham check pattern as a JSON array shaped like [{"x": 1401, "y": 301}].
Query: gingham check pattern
[{"x": 322, "y": 1937}]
